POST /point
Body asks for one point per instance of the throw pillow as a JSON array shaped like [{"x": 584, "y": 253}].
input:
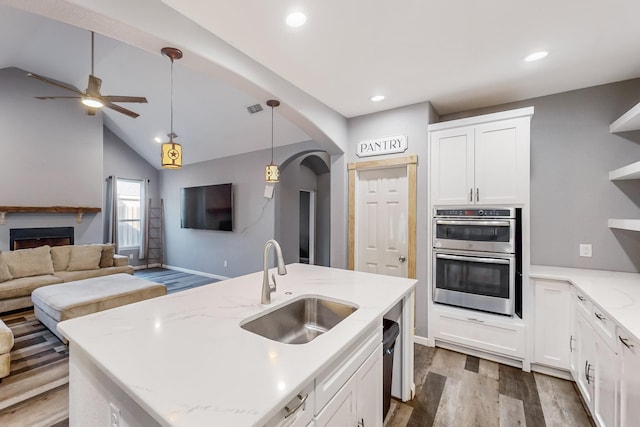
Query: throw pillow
[
  {"x": 5, "y": 274},
  {"x": 85, "y": 257},
  {"x": 29, "y": 262},
  {"x": 108, "y": 250},
  {"x": 60, "y": 256}
]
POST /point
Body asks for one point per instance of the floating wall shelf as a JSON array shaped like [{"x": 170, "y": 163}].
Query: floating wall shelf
[
  {"x": 628, "y": 121},
  {"x": 78, "y": 210},
  {"x": 625, "y": 224},
  {"x": 631, "y": 171}
]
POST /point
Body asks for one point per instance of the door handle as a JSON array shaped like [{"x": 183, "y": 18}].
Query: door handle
[
  {"x": 402, "y": 258},
  {"x": 477, "y": 194}
]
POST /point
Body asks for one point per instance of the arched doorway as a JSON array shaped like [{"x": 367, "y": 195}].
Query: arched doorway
[{"x": 302, "y": 223}]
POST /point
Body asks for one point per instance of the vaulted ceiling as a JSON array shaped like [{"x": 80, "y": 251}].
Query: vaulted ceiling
[{"x": 458, "y": 55}]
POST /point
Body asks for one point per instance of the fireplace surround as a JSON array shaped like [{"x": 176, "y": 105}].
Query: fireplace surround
[{"x": 23, "y": 238}]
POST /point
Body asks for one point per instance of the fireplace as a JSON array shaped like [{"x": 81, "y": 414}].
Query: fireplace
[{"x": 23, "y": 238}]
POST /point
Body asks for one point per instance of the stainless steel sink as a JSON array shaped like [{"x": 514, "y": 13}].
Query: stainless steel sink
[{"x": 299, "y": 321}]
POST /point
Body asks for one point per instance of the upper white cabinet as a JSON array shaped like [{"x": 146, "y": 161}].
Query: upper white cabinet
[{"x": 481, "y": 160}]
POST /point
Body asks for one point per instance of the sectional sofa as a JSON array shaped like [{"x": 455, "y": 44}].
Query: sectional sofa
[{"x": 24, "y": 270}]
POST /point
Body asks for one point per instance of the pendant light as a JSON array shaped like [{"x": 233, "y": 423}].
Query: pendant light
[
  {"x": 171, "y": 151},
  {"x": 271, "y": 173}
]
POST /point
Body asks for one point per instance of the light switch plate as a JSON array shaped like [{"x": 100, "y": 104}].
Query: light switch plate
[{"x": 585, "y": 250}]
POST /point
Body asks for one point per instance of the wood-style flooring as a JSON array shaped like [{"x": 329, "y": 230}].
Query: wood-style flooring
[{"x": 452, "y": 389}]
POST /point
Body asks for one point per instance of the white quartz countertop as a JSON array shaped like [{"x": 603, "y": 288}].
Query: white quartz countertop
[
  {"x": 616, "y": 293},
  {"x": 185, "y": 360}
]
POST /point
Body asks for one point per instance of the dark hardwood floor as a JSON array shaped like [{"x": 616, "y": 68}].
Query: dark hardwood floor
[{"x": 452, "y": 389}]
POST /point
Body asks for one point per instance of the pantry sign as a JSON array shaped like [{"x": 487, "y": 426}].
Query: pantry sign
[{"x": 376, "y": 147}]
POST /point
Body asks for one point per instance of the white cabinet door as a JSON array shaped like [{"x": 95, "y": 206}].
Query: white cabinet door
[
  {"x": 501, "y": 161},
  {"x": 606, "y": 384},
  {"x": 586, "y": 350},
  {"x": 341, "y": 409},
  {"x": 573, "y": 347},
  {"x": 452, "y": 166},
  {"x": 552, "y": 323},
  {"x": 369, "y": 389},
  {"x": 629, "y": 381}
]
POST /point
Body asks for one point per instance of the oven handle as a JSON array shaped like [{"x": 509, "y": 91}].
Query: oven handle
[
  {"x": 474, "y": 259},
  {"x": 473, "y": 222}
]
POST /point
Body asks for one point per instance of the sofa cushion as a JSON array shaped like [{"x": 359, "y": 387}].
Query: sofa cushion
[
  {"x": 70, "y": 276},
  {"x": 60, "y": 255},
  {"x": 6, "y": 338},
  {"x": 29, "y": 262},
  {"x": 108, "y": 251},
  {"x": 5, "y": 274},
  {"x": 23, "y": 286},
  {"x": 85, "y": 257}
]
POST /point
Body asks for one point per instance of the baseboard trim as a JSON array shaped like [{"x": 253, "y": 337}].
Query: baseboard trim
[
  {"x": 199, "y": 273},
  {"x": 481, "y": 354},
  {"x": 145, "y": 266},
  {"x": 554, "y": 372}
]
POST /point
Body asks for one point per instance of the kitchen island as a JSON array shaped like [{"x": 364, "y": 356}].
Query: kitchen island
[{"x": 184, "y": 360}]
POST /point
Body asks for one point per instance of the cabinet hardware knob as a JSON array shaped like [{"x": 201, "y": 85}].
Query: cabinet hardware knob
[
  {"x": 581, "y": 298},
  {"x": 477, "y": 194},
  {"x": 600, "y": 316},
  {"x": 471, "y": 194},
  {"x": 571, "y": 339},
  {"x": 473, "y": 319},
  {"x": 626, "y": 342},
  {"x": 291, "y": 411}
]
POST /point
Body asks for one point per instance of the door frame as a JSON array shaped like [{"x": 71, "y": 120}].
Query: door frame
[{"x": 411, "y": 163}]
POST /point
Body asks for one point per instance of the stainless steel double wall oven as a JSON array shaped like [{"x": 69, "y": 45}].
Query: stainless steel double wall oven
[{"x": 477, "y": 261}]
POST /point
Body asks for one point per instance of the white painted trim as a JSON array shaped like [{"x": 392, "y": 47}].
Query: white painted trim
[
  {"x": 421, "y": 341},
  {"x": 408, "y": 385},
  {"x": 144, "y": 266},
  {"x": 485, "y": 118},
  {"x": 516, "y": 363},
  {"x": 558, "y": 373},
  {"x": 199, "y": 273}
]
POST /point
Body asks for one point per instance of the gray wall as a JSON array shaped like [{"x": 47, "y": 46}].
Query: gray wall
[
  {"x": 411, "y": 121},
  {"x": 254, "y": 218},
  {"x": 52, "y": 155},
  {"x": 572, "y": 198},
  {"x": 122, "y": 161}
]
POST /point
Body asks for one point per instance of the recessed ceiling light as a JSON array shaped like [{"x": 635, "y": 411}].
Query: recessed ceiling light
[
  {"x": 157, "y": 139},
  {"x": 536, "y": 56},
  {"x": 377, "y": 98},
  {"x": 296, "y": 19}
]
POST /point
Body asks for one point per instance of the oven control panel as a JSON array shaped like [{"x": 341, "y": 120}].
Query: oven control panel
[{"x": 478, "y": 213}]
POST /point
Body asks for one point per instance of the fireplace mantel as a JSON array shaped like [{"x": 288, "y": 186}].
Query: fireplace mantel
[{"x": 78, "y": 210}]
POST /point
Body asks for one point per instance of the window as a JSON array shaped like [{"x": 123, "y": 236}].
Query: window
[{"x": 130, "y": 213}]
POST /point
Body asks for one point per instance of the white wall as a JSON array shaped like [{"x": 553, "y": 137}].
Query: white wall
[
  {"x": 411, "y": 121},
  {"x": 52, "y": 156}
]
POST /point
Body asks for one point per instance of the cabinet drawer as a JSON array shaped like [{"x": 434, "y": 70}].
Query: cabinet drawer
[
  {"x": 584, "y": 304},
  {"x": 604, "y": 326},
  {"x": 481, "y": 332},
  {"x": 333, "y": 378}
]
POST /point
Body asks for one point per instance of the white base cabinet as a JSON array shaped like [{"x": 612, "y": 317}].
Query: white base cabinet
[
  {"x": 552, "y": 324},
  {"x": 629, "y": 380},
  {"x": 359, "y": 401}
]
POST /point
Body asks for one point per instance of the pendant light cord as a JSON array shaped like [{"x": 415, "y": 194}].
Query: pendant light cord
[
  {"x": 92, "y": 35},
  {"x": 171, "y": 136},
  {"x": 271, "y": 135}
]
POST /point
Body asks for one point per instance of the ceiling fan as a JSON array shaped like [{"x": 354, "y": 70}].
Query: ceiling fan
[{"x": 92, "y": 97}]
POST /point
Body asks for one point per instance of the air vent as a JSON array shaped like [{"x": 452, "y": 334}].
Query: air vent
[{"x": 254, "y": 109}]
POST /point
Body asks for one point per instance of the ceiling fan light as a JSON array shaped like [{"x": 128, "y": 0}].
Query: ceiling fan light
[
  {"x": 92, "y": 102},
  {"x": 171, "y": 155}
]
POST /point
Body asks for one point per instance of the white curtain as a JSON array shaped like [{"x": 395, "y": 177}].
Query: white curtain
[
  {"x": 111, "y": 212},
  {"x": 144, "y": 218}
]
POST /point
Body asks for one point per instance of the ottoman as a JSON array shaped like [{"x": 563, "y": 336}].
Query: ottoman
[
  {"x": 55, "y": 303},
  {"x": 6, "y": 344}
]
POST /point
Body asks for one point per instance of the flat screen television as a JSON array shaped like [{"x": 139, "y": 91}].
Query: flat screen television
[{"x": 208, "y": 207}]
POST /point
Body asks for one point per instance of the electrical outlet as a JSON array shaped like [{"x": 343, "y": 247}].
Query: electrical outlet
[
  {"x": 130, "y": 256},
  {"x": 585, "y": 250},
  {"x": 225, "y": 263},
  {"x": 114, "y": 415}
]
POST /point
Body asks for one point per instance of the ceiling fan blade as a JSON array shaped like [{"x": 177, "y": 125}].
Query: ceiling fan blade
[
  {"x": 93, "y": 88},
  {"x": 116, "y": 98},
  {"x": 121, "y": 110},
  {"x": 55, "y": 83},
  {"x": 57, "y": 97}
]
